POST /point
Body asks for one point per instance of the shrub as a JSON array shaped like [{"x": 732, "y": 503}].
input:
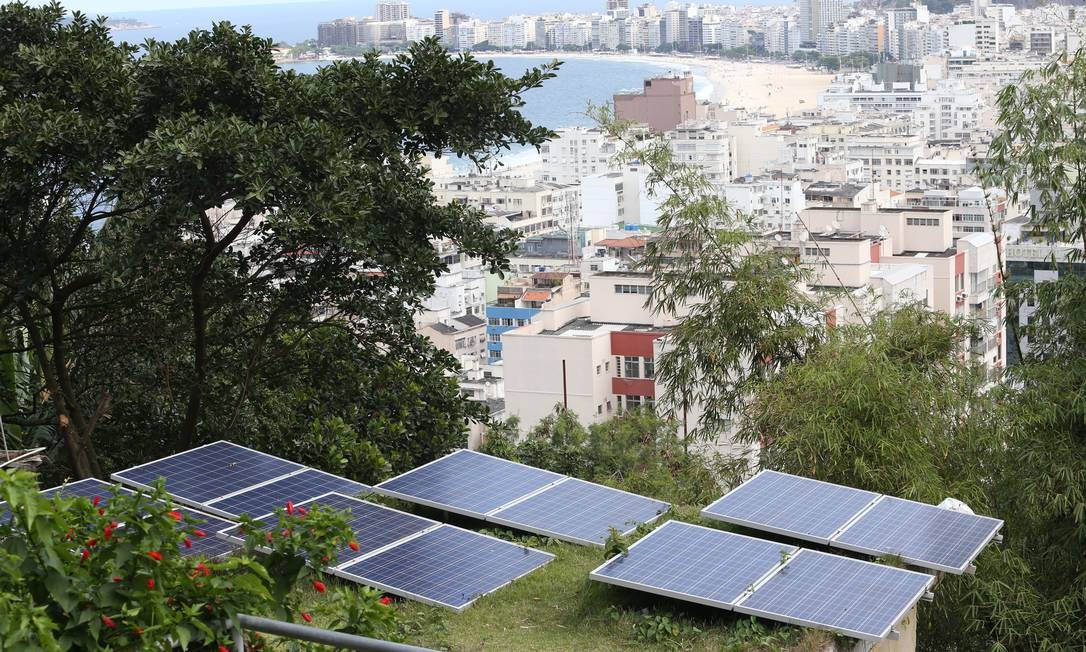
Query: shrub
[{"x": 109, "y": 573}]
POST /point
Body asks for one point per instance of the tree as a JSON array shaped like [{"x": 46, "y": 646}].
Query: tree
[
  {"x": 236, "y": 210},
  {"x": 743, "y": 316}
]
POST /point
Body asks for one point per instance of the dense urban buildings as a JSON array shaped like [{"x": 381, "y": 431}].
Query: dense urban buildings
[{"x": 873, "y": 185}]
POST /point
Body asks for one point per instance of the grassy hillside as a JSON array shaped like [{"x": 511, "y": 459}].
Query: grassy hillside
[{"x": 559, "y": 608}]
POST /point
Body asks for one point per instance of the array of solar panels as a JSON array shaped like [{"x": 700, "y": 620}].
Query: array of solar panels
[
  {"x": 860, "y": 521},
  {"x": 771, "y": 580},
  {"x": 523, "y": 497},
  {"x": 211, "y": 546},
  {"x": 399, "y": 553}
]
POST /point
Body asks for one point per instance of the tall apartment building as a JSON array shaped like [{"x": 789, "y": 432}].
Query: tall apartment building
[
  {"x": 675, "y": 28},
  {"x": 442, "y": 25},
  {"x": 771, "y": 201},
  {"x": 342, "y": 31},
  {"x": 816, "y": 17},
  {"x": 663, "y": 104},
  {"x": 704, "y": 146},
  {"x": 615, "y": 5},
  {"x": 528, "y": 206},
  {"x": 392, "y": 10}
]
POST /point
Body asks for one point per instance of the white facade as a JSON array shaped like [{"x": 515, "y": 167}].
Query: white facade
[
  {"x": 706, "y": 146},
  {"x": 577, "y": 152}
]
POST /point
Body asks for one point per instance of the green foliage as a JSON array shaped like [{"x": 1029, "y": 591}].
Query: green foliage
[
  {"x": 84, "y": 574},
  {"x": 1039, "y": 152},
  {"x": 615, "y": 544},
  {"x": 225, "y": 249},
  {"x": 901, "y": 375},
  {"x": 637, "y": 451},
  {"x": 742, "y": 317},
  {"x": 753, "y": 634}
]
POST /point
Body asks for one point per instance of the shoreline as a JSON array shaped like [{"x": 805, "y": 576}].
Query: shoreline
[{"x": 772, "y": 88}]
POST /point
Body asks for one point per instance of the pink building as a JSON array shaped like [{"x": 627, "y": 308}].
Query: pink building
[{"x": 664, "y": 104}]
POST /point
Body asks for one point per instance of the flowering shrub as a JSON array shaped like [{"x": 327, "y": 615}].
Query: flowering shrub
[{"x": 108, "y": 573}]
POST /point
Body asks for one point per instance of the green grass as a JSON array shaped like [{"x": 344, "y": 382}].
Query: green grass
[{"x": 559, "y": 608}]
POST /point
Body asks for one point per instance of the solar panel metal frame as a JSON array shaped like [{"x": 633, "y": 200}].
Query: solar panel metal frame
[
  {"x": 118, "y": 477},
  {"x": 218, "y": 533},
  {"x": 210, "y": 508},
  {"x": 678, "y": 595},
  {"x": 452, "y": 508},
  {"x": 338, "y": 571},
  {"x": 832, "y": 541},
  {"x": 956, "y": 570},
  {"x": 754, "y": 525},
  {"x": 493, "y": 517},
  {"x": 740, "y": 608}
]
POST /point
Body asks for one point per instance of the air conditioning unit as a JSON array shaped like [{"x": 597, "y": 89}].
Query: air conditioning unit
[{"x": 960, "y": 296}]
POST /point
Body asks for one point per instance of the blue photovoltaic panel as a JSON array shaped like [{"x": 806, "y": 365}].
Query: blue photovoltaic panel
[
  {"x": 446, "y": 566},
  {"x": 791, "y": 505},
  {"x": 88, "y": 488},
  {"x": 924, "y": 535},
  {"x": 855, "y": 598},
  {"x": 694, "y": 563},
  {"x": 374, "y": 526},
  {"x": 579, "y": 511},
  {"x": 468, "y": 483},
  {"x": 209, "y": 472},
  {"x": 303, "y": 486},
  {"x": 209, "y": 546}
]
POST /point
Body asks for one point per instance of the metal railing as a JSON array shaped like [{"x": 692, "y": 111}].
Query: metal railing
[{"x": 314, "y": 635}]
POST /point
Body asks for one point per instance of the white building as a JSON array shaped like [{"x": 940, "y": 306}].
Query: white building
[
  {"x": 706, "y": 146},
  {"x": 576, "y": 152},
  {"x": 392, "y": 10}
]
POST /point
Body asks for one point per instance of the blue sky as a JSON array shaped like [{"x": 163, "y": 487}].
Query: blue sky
[{"x": 365, "y": 6}]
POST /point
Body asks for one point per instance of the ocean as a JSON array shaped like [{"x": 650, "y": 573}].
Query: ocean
[
  {"x": 293, "y": 22},
  {"x": 560, "y": 102}
]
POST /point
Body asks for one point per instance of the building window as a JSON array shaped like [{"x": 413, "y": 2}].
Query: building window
[
  {"x": 494, "y": 321},
  {"x": 495, "y": 337},
  {"x": 597, "y": 370},
  {"x": 599, "y": 409},
  {"x": 621, "y": 288},
  {"x": 633, "y": 402},
  {"x": 650, "y": 368},
  {"x": 817, "y": 251},
  {"x": 507, "y": 322},
  {"x": 608, "y": 407},
  {"x": 607, "y": 365},
  {"x": 632, "y": 367},
  {"x": 922, "y": 221}
]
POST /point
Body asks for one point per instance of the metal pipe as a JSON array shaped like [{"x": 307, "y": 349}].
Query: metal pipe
[{"x": 323, "y": 636}]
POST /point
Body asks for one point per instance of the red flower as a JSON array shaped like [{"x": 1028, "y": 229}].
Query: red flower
[
  {"x": 69, "y": 535},
  {"x": 268, "y": 536},
  {"x": 386, "y": 600},
  {"x": 188, "y": 543},
  {"x": 175, "y": 515},
  {"x": 85, "y": 556},
  {"x": 96, "y": 500},
  {"x": 108, "y": 622},
  {"x": 290, "y": 507},
  {"x": 107, "y": 533},
  {"x": 319, "y": 586},
  {"x": 353, "y": 545},
  {"x": 201, "y": 568},
  {"x": 301, "y": 511},
  {"x": 156, "y": 555},
  {"x": 306, "y": 617},
  {"x": 199, "y": 533},
  {"x": 223, "y": 648},
  {"x": 116, "y": 579},
  {"x": 101, "y": 511},
  {"x": 151, "y": 583},
  {"x": 92, "y": 542},
  {"x": 285, "y": 533}
]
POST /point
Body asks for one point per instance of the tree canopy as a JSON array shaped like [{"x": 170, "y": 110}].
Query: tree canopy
[{"x": 200, "y": 241}]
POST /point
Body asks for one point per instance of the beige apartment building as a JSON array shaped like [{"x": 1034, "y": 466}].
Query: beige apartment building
[{"x": 527, "y": 206}]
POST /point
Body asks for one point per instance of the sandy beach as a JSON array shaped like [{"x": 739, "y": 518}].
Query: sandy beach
[{"x": 773, "y": 88}]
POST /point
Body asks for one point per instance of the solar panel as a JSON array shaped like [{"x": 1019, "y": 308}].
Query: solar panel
[
  {"x": 852, "y": 597},
  {"x": 87, "y": 488},
  {"x": 374, "y": 526},
  {"x": 860, "y": 521},
  {"x": 203, "y": 474},
  {"x": 467, "y": 483},
  {"x": 924, "y": 535},
  {"x": 446, "y": 566},
  {"x": 263, "y": 499},
  {"x": 694, "y": 563},
  {"x": 579, "y": 511},
  {"x": 210, "y": 546},
  {"x": 791, "y": 505}
]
